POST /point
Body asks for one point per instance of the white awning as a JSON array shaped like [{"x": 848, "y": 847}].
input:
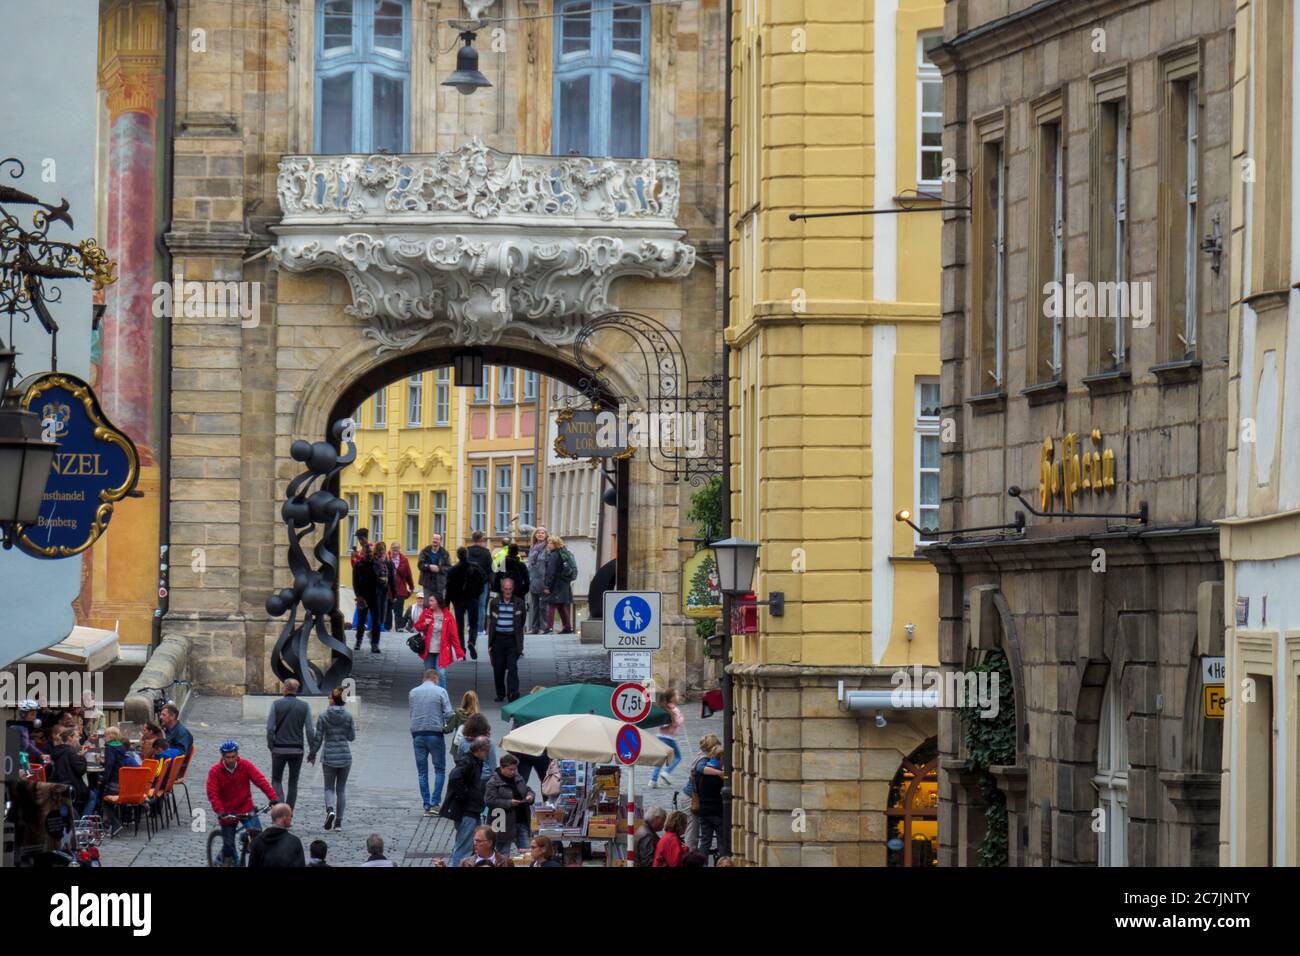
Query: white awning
[{"x": 90, "y": 647}]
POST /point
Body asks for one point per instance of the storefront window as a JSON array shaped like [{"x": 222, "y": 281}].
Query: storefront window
[{"x": 913, "y": 813}]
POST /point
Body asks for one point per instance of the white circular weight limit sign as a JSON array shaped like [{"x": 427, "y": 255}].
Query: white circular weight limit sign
[{"x": 630, "y": 703}]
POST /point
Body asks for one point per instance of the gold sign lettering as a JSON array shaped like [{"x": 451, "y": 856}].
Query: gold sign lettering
[
  {"x": 1078, "y": 472},
  {"x": 78, "y": 464}
]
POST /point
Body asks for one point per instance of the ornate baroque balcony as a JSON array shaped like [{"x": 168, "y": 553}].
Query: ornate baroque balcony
[{"x": 472, "y": 240}]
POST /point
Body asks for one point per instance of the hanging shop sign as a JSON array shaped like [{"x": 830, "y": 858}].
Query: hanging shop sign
[
  {"x": 1076, "y": 471},
  {"x": 701, "y": 589},
  {"x": 590, "y": 433},
  {"x": 96, "y": 466}
]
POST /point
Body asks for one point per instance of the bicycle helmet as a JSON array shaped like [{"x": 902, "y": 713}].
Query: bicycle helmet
[
  {"x": 229, "y": 746},
  {"x": 27, "y": 705}
]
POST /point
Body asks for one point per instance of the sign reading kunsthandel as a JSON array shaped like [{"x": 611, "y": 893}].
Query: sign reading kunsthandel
[{"x": 96, "y": 466}]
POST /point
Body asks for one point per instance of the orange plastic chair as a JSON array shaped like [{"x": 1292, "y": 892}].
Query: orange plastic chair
[
  {"x": 160, "y": 788},
  {"x": 133, "y": 791},
  {"x": 180, "y": 782}
]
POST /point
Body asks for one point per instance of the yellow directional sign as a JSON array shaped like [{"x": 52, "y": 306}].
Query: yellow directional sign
[{"x": 1214, "y": 700}]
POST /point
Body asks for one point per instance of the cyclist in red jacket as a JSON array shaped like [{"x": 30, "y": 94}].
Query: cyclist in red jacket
[{"x": 230, "y": 791}]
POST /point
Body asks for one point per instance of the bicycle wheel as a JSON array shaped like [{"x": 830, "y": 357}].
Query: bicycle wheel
[
  {"x": 214, "y": 847},
  {"x": 245, "y": 846}
]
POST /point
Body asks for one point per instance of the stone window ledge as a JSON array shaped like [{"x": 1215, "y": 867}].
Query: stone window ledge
[
  {"x": 1109, "y": 383},
  {"x": 990, "y": 403},
  {"x": 1177, "y": 373},
  {"x": 1044, "y": 393}
]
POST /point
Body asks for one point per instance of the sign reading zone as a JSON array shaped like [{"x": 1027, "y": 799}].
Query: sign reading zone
[{"x": 631, "y": 621}]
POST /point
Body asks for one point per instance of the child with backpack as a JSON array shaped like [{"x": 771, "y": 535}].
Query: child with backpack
[{"x": 557, "y": 591}]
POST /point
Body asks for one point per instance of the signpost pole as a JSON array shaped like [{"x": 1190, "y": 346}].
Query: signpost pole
[{"x": 631, "y": 817}]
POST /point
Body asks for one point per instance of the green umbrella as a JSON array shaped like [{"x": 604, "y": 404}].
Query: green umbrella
[{"x": 574, "y": 699}]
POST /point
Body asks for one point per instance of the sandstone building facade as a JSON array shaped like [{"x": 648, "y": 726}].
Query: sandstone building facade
[{"x": 1093, "y": 143}]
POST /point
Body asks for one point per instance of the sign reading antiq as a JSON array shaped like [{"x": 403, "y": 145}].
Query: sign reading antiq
[{"x": 95, "y": 467}]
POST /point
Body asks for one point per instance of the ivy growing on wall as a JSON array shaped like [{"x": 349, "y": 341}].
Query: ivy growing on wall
[
  {"x": 991, "y": 741},
  {"x": 706, "y": 508}
]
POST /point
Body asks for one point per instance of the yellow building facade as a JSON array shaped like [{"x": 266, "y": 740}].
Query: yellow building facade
[
  {"x": 834, "y": 371},
  {"x": 402, "y": 485}
]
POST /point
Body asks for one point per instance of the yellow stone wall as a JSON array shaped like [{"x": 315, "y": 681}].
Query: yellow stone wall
[{"x": 817, "y": 337}]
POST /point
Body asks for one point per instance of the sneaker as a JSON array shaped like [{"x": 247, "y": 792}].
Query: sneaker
[
  {"x": 666, "y": 779},
  {"x": 329, "y": 819},
  {"x": 473, "y": 652},
  {"x": 375, "y": 650},
  {"x": 430, "y": 812}
]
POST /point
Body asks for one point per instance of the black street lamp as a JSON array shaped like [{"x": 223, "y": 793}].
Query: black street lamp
[
  {"x": 467, "y": 77},
  {"x": 737, "y": 559}
]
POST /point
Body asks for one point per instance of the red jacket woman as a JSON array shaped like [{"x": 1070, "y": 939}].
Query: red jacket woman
[
  {"x": 402, "y": 579},
  {"x": 450, "y": 650},
  {"x": 671, "y": 850}
]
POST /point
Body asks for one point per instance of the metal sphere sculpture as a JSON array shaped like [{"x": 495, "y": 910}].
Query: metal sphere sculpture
[{"x": 313, "y": 588}]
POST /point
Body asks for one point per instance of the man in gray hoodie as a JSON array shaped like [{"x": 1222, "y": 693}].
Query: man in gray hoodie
[{"x": 288, "y": 725}]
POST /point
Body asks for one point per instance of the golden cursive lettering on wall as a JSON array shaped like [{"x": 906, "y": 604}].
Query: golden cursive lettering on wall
[{"x": 1078, "y": 471}]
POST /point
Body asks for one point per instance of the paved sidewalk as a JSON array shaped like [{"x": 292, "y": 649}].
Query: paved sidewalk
[{"x": 383, "y": 796}]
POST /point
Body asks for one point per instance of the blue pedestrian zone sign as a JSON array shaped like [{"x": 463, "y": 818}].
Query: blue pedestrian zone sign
[{"x": 631, "y": 620}]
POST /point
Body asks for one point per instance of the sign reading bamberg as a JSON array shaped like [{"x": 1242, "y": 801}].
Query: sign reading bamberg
[
  {"x": 95, "y": 467},
  {"x": 584, "y": 433}
]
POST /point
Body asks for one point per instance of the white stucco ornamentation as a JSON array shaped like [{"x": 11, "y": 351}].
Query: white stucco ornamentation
[{"x": 473, "y": 240}]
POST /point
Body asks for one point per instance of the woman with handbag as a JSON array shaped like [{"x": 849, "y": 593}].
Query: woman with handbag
[{"x": 442, "y": 646}]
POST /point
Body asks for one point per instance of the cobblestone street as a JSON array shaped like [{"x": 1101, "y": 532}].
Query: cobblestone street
[{"x": 382, "y": 794}]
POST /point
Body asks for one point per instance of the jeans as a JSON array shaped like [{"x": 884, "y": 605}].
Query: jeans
[
  {"x": 564, "y": 617},
  {"x": 431, "y": 664},
  {"x": 505, "y": 666},
  {"x": 467, "y": 609},
  {"x": 482, "y": 607},
  {"x": 677, "y": 757},
  {"x": 377, "y": 611},
  {"x": 536, "y": 616},
  {"x": 710, "y": 827},
  {"x": 523, "y": 833},
  {"x": 464, "y": 839},
  {"x": 253, "y": 825},
  {"x": 430, "y": 745},
  {"x": 279, "y": 762},
  {"x": 336, "y": 782}
]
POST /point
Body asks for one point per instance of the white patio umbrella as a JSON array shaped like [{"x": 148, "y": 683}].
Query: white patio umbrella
[{"x": 581, "y": 737}]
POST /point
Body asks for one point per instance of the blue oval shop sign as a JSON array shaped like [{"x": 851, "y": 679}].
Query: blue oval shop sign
[{"x": 95, "y": 467}]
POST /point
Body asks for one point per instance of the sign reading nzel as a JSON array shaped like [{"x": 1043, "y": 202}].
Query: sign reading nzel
[
  {"x": 1077, "y": 472},
  {"x": 579, "y": 435},
  {"x": 95, "y": 467}
]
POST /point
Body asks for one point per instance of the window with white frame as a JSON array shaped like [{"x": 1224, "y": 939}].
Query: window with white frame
[
  {"x": 415, "y": 401},
  {"x": 929, "y": 119},
  {"x": 376, "y": 517},
  {"x": 530, "y": 386},
  {"x": 601, "y": 77},
  {"x": 478, "y": 499},
  {"x": 503, "y": 498},
  {"x": 505, "y": 385},
  {"x": 354, "y": 508},
  {"x": 381, "y": 408},
  {"x": 363, "y": 73},
  {"x": 442, "y": 397},
  {"x": 483, "y": 390},
  {"x": 528, "y": 494},
  {"x": 440, "y": 513},
  {"x": 926, "y": 452},
  {"x": 412, "y": 522},
  {"x": 356, "y": 417},
  {"x": 1111, "y": 780},
  {"x": 1193, "y": 166}
]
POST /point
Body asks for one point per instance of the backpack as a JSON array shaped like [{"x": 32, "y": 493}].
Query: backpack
[{"x": 568, "y": 566}]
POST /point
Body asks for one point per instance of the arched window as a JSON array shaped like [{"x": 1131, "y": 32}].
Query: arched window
[
  {"x": 363, "y": 76},
  {"x": 1112, "y": 778},
  {"x": 913, "y": 812},
  {"x": 602, "y": 77}
]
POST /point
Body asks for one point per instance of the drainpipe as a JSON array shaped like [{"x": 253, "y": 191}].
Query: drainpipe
[
  {"x": 726, "y": 428},
  {"x": 165, "y": 377}
]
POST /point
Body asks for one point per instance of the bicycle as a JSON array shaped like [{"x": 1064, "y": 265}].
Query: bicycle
[
  {"x": 161, "y": 700},
  {"x": 243, "y": 838}
]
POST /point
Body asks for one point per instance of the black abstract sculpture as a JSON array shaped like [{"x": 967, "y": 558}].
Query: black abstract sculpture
[{"x": 314, "y": 589}]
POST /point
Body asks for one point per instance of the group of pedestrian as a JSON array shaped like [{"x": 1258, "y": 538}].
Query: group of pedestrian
[{"x": 382, "y": 582}]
